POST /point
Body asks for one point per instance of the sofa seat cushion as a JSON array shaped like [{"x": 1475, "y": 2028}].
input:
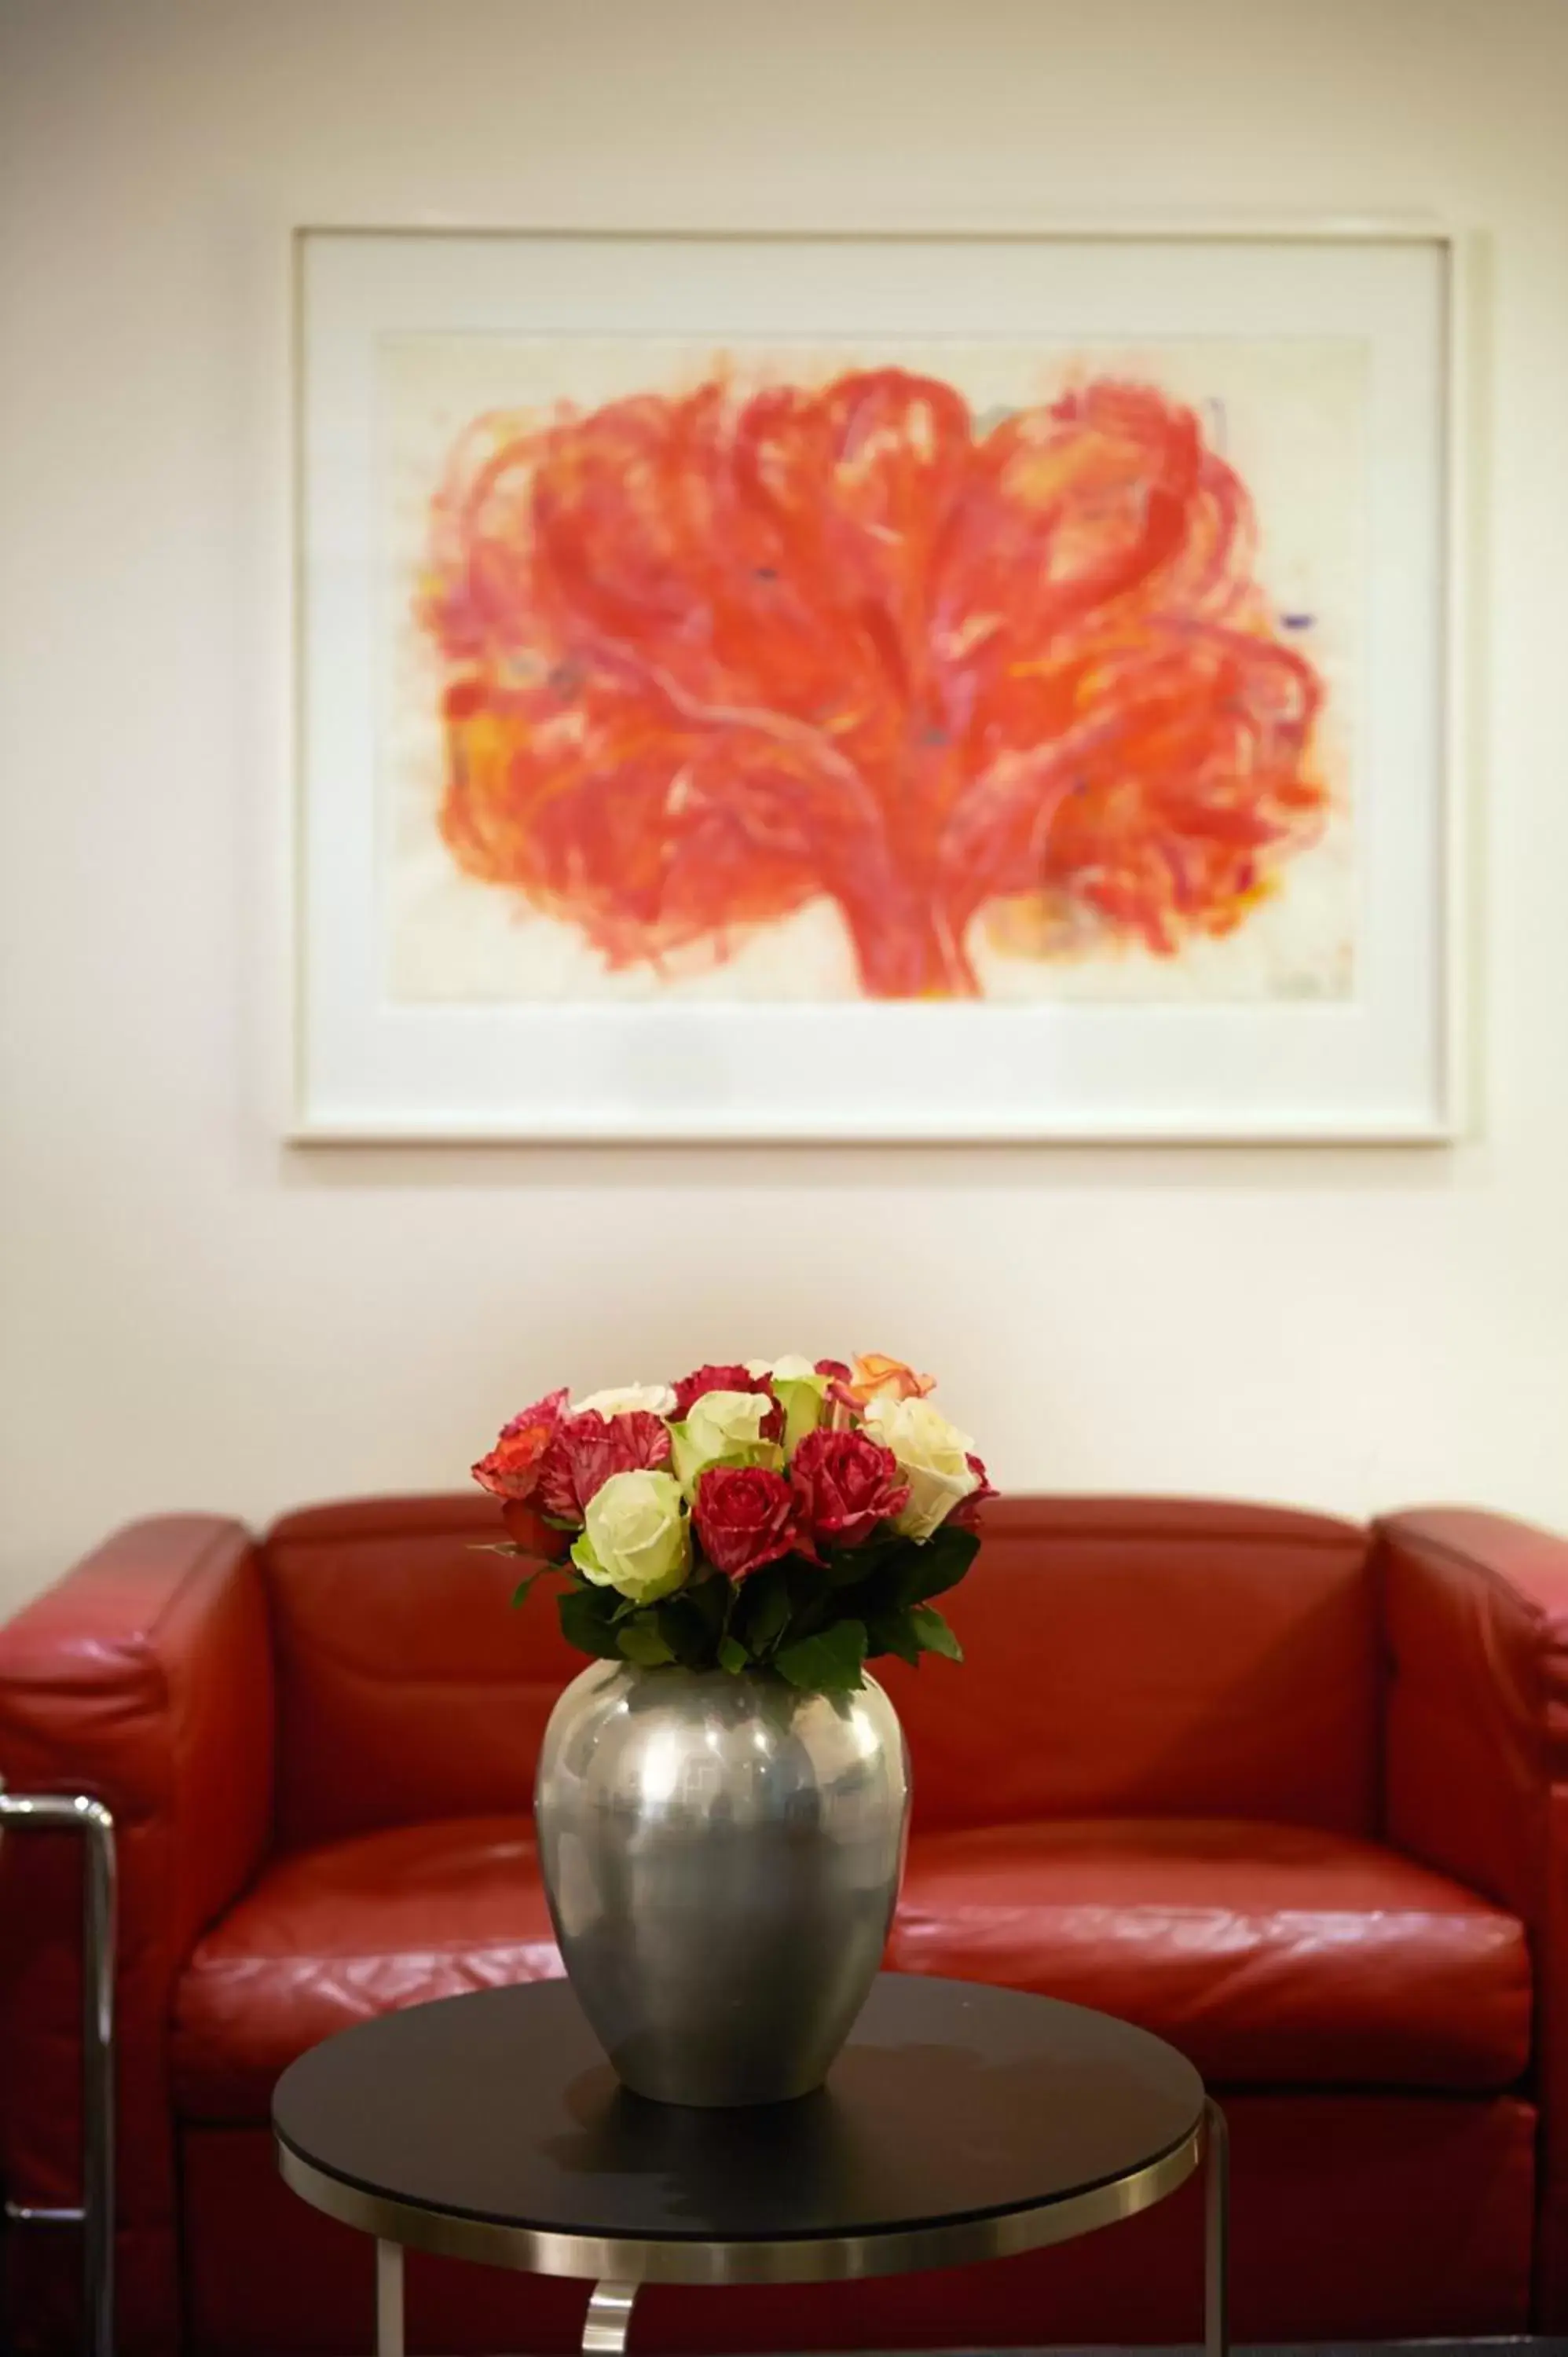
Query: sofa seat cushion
[
  {"x": 1271, "y": 1954},
  {"x": 331, "y": 1937}
]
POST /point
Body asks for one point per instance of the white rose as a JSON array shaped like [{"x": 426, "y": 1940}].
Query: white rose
[
  {"x": 783, "y": 1371},
  {"x": 649, "y": 1399},
  {"x": 637, "y": 1538},
  {"x": 722, "y": 1427},
  {"x": 933, "y": 1458}
]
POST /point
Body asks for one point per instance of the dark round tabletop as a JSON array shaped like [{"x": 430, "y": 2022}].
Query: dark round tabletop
[{"x": 961, "y": 2122}]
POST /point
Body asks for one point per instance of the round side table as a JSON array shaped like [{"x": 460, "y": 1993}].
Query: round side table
[{"x": 960, "y": 2123}]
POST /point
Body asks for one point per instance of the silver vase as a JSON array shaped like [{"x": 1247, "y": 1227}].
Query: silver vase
[{"x": 722, "y": 1856}]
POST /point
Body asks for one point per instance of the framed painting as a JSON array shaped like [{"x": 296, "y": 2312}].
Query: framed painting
[{"x": 875, "y": 686}]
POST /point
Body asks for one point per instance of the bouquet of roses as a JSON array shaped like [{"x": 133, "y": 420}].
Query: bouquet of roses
[{"x": 792, "y": 1518}]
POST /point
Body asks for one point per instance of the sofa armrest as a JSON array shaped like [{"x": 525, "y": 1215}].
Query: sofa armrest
[
  {"x": 1476, "y": 1622},
  {"x": 1475, "y": 1619},
  {"x": 145, "y": 1678}
]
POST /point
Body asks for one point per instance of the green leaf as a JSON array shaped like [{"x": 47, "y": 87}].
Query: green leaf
[
  {"x": 585, "y": 1614},
  {"x": 732, "y": 1656},
  {"x": 519, "y": 1593},
  {"x": 761, "y": 1610},
  {"x": 811, "y": 1600},
  {"x": 883, "y": 1545},
  {"x": 893, "y": 1632},
  {"x": 932, "y": 1633},
  {"x": 707, "y": 1601},
  {"x": 642, "y": 1642},
  {"x": 847, "y": 1566},
  {"x": 828, "y": 1663},
  {"x": 687, "y": 1632},
  {"x": 937, "y": 1563}
]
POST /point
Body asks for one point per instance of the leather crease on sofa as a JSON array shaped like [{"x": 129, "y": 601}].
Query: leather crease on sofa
[{"x": 1291, "y": 1792}]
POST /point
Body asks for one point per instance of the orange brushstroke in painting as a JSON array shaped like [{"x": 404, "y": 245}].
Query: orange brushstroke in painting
[{"x": 710, "y": 657}]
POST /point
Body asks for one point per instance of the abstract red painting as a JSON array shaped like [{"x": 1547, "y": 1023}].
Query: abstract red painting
[{"x": 823, "y": 675}]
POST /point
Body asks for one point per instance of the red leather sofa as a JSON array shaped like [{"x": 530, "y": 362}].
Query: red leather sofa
[{"x": 1293, "y": 1793}]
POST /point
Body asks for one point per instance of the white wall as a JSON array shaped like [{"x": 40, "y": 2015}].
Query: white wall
[{"x": 194, "y": 1314}]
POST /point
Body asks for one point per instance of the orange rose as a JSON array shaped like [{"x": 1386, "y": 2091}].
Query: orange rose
[{"x": 874, "y": 1376}]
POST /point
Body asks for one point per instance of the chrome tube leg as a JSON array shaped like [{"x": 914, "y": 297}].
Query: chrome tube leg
[
  {"x": 1217, "y": 2233},
  {"x": 609, "y": 2319},
  {"x": 97, "y": 1909},
  {"x": 389, "y": 2299},
  {"x": 80, "y": 1812}
]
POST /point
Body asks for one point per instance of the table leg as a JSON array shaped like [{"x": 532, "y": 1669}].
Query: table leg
[
  {"x": 609, "y": 2319},
  {"x": 389, "y": 2299},
  {"x": 1217, "y": 2233}
]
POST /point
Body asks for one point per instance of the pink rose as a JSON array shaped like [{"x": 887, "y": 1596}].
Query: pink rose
[
  {"x": 846, "y": 1484},
  {"x": 512, "y": 1467},
  {"x": 587, "y": 1448},
  {"x": 746, "y": 1516}
]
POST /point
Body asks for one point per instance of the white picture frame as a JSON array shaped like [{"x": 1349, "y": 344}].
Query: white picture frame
[{"x": 1373, "y": 1056}]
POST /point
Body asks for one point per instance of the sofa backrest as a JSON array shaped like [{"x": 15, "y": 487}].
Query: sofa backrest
[
  {"x": 407, "y": 1691},
  {"x": 1125, "y": 1657},
  {"x": 1134, "y": 1657}
]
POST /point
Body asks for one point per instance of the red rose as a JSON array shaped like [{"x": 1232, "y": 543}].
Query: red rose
[
  {"x": 726, "y": 1379},
  {"x": 512, "y": 1467},
  {"x": 966, "y": 1513},
  {"x": 588, "y": 1449},
  {"x": 528, "y": 1529},
  {"x": 846, "y": 1484},
  {"x": 746, "y": 1516}
]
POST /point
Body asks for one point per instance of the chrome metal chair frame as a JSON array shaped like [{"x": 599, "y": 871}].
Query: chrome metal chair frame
[{"x": 79, "y": 1812}]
